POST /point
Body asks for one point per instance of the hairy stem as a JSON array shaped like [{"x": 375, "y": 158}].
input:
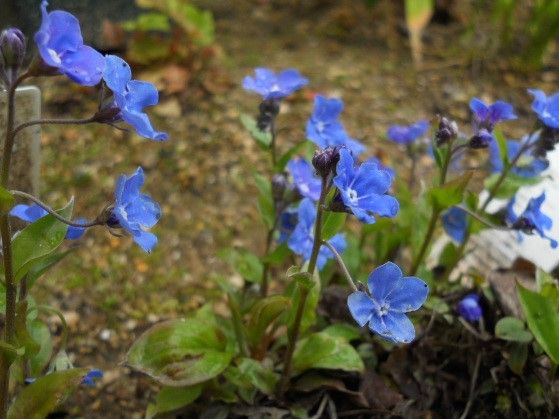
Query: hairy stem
[
  {"x": 341, "y": 264},
  {"x": 294, "y": 334},
  {"x": 53, "y": 122}
]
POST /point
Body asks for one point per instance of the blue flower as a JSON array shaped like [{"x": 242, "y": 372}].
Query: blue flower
[
  {"x": 92, "y": 375},
  {"x": 364, "y": 189},
  {"x": 61, "y": 46},
  {"x": 380, "y": 166},
  {"x": 31, "y": 213},
  {"x": 324, "y": 128},
  {"x": 274, "y": 86},
  {"x": 469, "y": 308},
  {"x": 531, "y": 219},
  {"x": 547, "y": 108},
  {"x": 288, "y": 222},
  {"x": 304, "y": 178},
  {"x": 407, "y": 134},
  {"x": 302, "y": 238},
  {"x": 134, "y": 211},
  {"x": 455, "y": 223},
  {"x": 391, "y": 297},
  {"x": 131, "y": 97},
  {"x": 488, "y": 116},
  {"x": 528, "y": 165}
]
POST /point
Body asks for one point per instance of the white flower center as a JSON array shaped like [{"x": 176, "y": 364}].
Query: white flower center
[
  {"x": 383, "y": 309},
  {"x": 352, "y": 196},
  {"x": 55, "y": 57},
  {"x": 304, "y": 188},
  {"x": 275, "y": 88}
]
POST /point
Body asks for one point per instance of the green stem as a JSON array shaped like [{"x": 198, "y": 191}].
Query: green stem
[
  {"x": 435, "y": 213},
  {"x": 294, "y": 334},
  {"x": 341, "y": 264}
]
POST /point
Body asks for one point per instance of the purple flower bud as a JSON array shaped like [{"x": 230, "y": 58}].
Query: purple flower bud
[
  {"x": 269, "y": 109},
  {"x": 12, "y": 52},
  {"x": 325, "y": 160},
  {"x": 481, "y": 139},
  {"x": 279, "y": 185},
  {"x": 448, "y": 130},
  {"x": 469, "y": 308}
]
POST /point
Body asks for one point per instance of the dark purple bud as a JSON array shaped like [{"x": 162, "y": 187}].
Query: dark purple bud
[
  {"x": 524, "y": 224},
  {"x": 108, "y": 217},
  {"x": 447, "y": 131},
  {"x": 325, "y": 160},
  {"x": 107, "y": 115},
  {"x": 279, "y": 185},
  {"x": 12, "y": 47},
  {"x": 481, "y": 139},
  {"x": 549, "y": 137}
]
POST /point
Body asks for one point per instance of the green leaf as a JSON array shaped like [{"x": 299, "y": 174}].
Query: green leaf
[
  {"x": 518, "y": 356},
  {"x": 170, "y": 399},
  {"x": 320, "y": 350},
  {"x": 451, "y": 193},
  {"x": 180, "y": 352},
  {"x": 279, "y": 255},
  {"x": 264, "y": 312},
  {"x": 265, "y": 200},
  {"x": 333, "y": 223},
  {"x": 510, "y": 185},
  {"x": 263, "y": 139},
  {"x": 10, "y": 351},
  {"x": 37, "y": 400},
  {"x": 252, "y": 373},
  {"x": 342, "y": 331},
  {"x": 300, "y": 148},
  {"x": 148, "y": 22},
  {"x": 38, "y": 240},
  {"x": 502, "y": 143},
  {"x": 512, "y": 329},
  {"x": 39, "y": 267},
  {"x": 40, "y": 333},
  {"x": 7, "y": 201},
  {"x": 295, "y": 290},
  {"x": 246, "y": 263},
  {"x": 302, "y": 278},
  {"x": 542, "y": 317}
]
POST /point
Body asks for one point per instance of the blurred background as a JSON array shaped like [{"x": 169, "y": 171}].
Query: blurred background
[{"x": 391, "y": 62}]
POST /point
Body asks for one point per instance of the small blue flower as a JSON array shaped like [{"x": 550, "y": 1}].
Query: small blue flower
[
  {"x": 407, "y": 134},
  {"x": 134, "y": 211},
  {"x": 288, "y": 222},
  {"x": 92, "y": 375},
  {"x": 488, "y": 116},
  {"x": 304, "y": 178},
  {"x": 61, "y": 46},
  {"x": 31, "y": 213},
  {"x": 302, "y": 238},
  {"x": 469, "y": 308},
  {"x": 274, "y": 86},
  {"x": 131, "y": 97},
  {"x": 324, "y": 128},
  {"x": 531, "y": 219},
  {"x": 364, "y": 189},
  {"x": 391, "y": 296},
  {"x": 528, "y": 165},
  {"x": 455, "y": 223},
  {"x": 547, "y": 108}
]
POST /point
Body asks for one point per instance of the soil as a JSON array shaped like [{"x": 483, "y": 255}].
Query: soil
[{"x": 109, "y": 289}]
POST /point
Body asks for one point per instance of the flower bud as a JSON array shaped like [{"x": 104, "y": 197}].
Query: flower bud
[
  {"x": 269, "y": 109},
  {"x": 469, "y": 308},
  {"x": 325, "y": 160},
  {"x": 481, "y": 139},
  {"x": 279, "y": 185},
  {"x": 448, "y": 130},
  {"x": 12, "y": 52}
]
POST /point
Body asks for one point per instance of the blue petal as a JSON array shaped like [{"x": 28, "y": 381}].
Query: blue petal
[
  {"x": 361, "y": 307},
  {"x": 383, "y": 280},
  {"x": 395, "y": 327},
  {"x": 306, "y": 182},
  {"x": 409, "y": 294},
  {"x": 501, "y": 111},
  {"x": 74, "y": 233},
  {"x": 327, "y": 109},
  {"x": 479, "y": 109},
  {"x": 117, "y": 74},
  {"x": 84, "y": 66},
  {"x": 145, "y": 240},
  {"x": 455, "y": 223},
  {"x": 145, "y": 211},
  {"x": 325, "y": 254},
  {"x": 133, "y": 185},
  {"x": 142, "y": 124},
  {"x": 511, "y": 216},
  {"x": 28, "y": 213},
  {"x": 140, "y": 95},
  {"x": 469, "y": 308},
  {"x": 345, "y": 170},
  {"x": 307, "y": 213}
]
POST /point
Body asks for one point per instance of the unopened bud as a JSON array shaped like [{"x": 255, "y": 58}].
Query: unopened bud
[
  {"x": 269, "y": 109},
  {"x": 279, "y": 185},
  {"x": 448, "y": 130},
  {"x": 325, "y": 160},
  {"x": 12, "y": 53},
  {"x": 481, "y": 139}
]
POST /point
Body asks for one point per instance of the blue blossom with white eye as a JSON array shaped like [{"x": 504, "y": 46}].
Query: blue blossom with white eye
[
  {"x": 324, "y": 128},
  {"x": 485, "y": 119},
  {"x": 532, "y": 219},
  {"x": 304, "y": 178},
  {"x": 407, "y": 134},
  {"x": 33, "y": 212},
  {"x": 528, "y": 165},
  {"x": 547, "y": 108},
  {"x": 61, "y": 46},
  {"x": 469, "y": 308},
  {"x": 391, "y": 296},
  {"x": 131, "y": 97},
  {"x": 272, "y": 86},
  {"x": 364, "y": 189},
  {"x": 302, "y": 239},
  {"x": 455, "y": 223},
  {"x": 134, "y": 211}
]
